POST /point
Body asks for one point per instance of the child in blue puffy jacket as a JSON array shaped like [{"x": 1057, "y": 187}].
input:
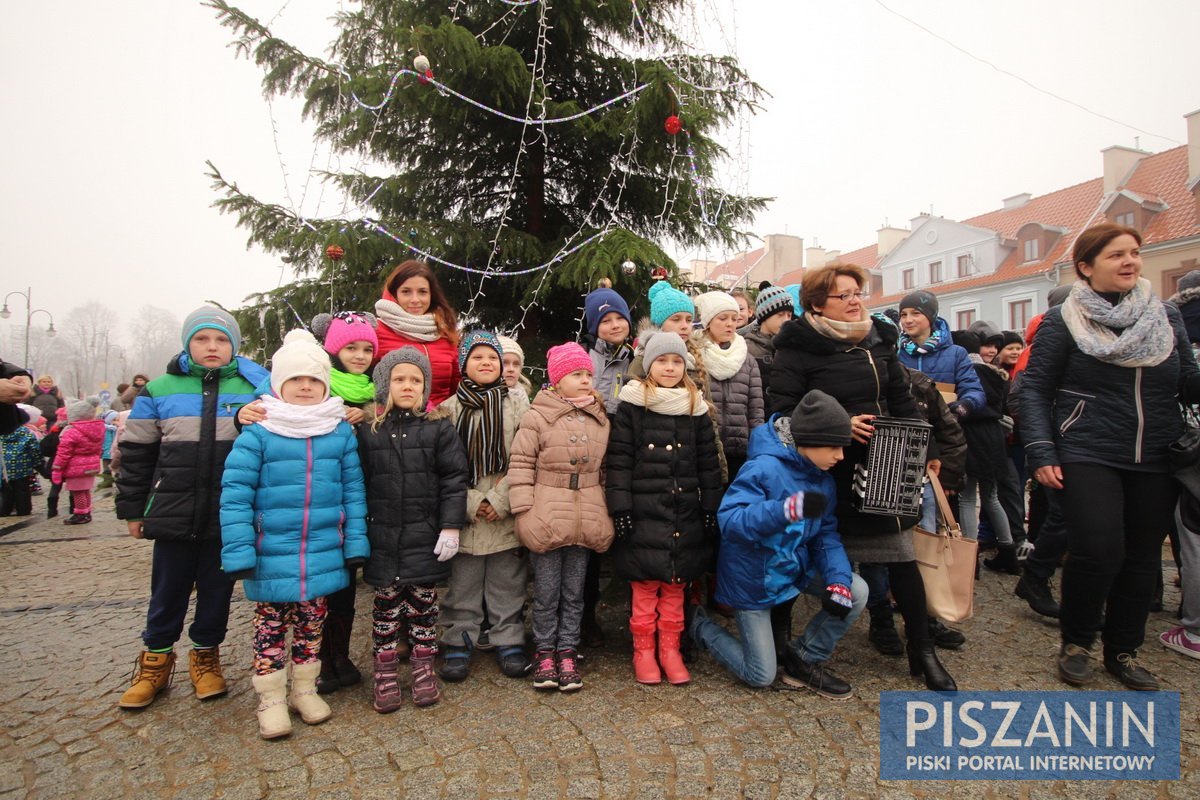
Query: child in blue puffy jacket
[
  {"x": 293, "y": 517},
  {"x": 779, "y": 538}
]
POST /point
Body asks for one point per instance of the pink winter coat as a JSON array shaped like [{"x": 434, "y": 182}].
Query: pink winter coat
[{"x": 79, "y": 450}]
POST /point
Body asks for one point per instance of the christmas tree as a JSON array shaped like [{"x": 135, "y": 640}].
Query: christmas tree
[{"x": 564, "y": 141}]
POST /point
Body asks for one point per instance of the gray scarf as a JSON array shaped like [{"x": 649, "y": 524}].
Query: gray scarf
[{"x": 1133, "y": 333}]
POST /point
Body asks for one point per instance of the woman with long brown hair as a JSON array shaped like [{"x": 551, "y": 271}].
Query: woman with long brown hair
[
  {"x": 837, "y": 347},
  {"x": 413, "y": 311}
]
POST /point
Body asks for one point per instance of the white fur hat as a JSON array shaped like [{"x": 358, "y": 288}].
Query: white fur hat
[
  {"x": 709, "y": 304},
  {"x": 300, "y": 355}
]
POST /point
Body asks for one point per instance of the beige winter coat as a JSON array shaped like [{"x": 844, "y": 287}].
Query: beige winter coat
[
  {"x": 482, "y": 537},
  {"x": 556, "y": 476}
]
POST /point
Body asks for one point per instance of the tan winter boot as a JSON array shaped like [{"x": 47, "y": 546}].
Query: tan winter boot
[
  {"x": 304, "y": 698},
  {"x": 273, "y": 718},
  {"x": 152, "y": 673},
  {"x": 204, "y": 666}
]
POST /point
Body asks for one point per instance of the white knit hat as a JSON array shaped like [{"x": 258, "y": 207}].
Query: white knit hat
[
  {"x": 709, "y": 304},
  {"x": 300, "y": 355},
  {"x": 510, "y": 347}
]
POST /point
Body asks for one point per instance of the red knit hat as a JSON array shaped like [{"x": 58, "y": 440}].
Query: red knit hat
[{"x": 565, "y": 359}]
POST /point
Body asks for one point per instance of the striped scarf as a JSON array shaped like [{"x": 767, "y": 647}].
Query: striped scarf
[{"x": 482, "y": 433}]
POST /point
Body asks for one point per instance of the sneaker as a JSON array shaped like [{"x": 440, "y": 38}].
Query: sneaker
[
  {"x": 569, "y": 678},
  {"x": 1036, "y": 592},
  {"x": 885, "y": 639},
  {"x": 1177, "y": 639},
  {"x": 545, "y": 670},
  {"x": 1075, "y": 664},
  {"x": 513, "y": 661},
  {"x": 814, "y": 676},
  {"x": 944, "y": 637},
  {"x": 456, "y": 664},
  {"x": 484, "y": 642},
  {"x": 1126, "y": 669}
]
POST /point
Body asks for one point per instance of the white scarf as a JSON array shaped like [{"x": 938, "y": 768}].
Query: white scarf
[
  {"x": 422, "y": 327},
  {"x": 1133, "y": 333},
  {"x": 302, "y": 422},
  {"x": 721, "y": 364},
  {"x": 673, "y": 402}
]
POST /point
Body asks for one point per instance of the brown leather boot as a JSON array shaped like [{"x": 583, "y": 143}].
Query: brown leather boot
[
  {"x": 152, "y": 673},
  {"x": 204, "y": 667}
]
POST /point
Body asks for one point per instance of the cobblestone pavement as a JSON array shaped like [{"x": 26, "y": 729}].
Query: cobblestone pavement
[{"x": 72, "y": 604}]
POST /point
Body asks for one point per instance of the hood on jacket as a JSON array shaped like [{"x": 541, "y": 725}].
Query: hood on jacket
[
  {"x": 765, "y": 441},
  {"x": 92, "y": 429}
]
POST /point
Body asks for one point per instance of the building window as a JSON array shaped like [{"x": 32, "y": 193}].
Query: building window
[
  {"x": 964, "y": 319},
  {"x": 1125, "y": 219},
  {"x": 908, "y": 279},
  {"x": 1019, "y": 314},
  {"x": 964, "y": 267},
  {"x": 935, "y": 272},
  {"x": 1031, "y": 250}
]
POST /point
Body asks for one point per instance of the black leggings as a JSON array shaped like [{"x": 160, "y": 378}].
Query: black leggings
[
  {"x": 1116, "y": 522},
  {"x": 908, "y": 590}
]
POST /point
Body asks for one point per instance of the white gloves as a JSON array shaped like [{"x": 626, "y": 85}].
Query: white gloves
[{"x": 447, "y": 544}]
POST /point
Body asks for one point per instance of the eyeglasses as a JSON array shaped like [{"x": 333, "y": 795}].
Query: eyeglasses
[{"x": 845, "y": 296}]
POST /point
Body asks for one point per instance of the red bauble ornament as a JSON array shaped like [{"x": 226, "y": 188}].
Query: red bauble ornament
[
  {"x": 672, "y": 125},
  {"x": 426, "y": 77},
  {"x": 334, "y": 253}
]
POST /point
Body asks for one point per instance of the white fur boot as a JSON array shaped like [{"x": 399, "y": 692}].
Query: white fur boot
[
  {"x": 273, "y": 718},
  {"x": 304, "y": 698}
]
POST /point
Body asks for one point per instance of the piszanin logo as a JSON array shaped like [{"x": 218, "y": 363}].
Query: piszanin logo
[{"x": 1029, "y": 736}]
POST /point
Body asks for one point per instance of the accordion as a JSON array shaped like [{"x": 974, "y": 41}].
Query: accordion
[{"x": 891, "y": 481}]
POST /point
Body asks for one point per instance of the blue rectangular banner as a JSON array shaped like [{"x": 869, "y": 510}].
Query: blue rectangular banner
[{"x": 1070, "y": 735}]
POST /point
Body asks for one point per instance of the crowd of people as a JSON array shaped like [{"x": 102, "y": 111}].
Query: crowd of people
[{"x": 706, "y": 456}]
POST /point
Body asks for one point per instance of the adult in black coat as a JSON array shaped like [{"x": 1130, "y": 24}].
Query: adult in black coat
[
  {"x": 835, "y": 346},
  {"x": 1099, "y": 405}
]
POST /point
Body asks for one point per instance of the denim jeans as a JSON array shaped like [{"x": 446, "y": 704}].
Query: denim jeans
[
  {"x": 751, "y": 654},
  {"x": 990, "y": 501},
  {"x": 929, "y": 508}
]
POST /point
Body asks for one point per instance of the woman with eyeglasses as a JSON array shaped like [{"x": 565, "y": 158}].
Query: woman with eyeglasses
[{"x": 837, "y": 347}]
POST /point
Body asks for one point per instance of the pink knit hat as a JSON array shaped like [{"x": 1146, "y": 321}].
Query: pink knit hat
[
  {"x": 565, "y": 359},
  {"x": 344, "y": 327}
]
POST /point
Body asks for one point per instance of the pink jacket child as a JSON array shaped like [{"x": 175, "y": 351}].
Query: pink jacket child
[{"x": 77, "y": 462}]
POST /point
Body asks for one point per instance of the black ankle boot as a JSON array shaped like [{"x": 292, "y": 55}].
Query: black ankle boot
[
  {"x": 1004, "y": 561},
  {"x": 923, "y": 660}
]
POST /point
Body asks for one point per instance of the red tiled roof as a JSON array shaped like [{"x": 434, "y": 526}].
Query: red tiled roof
[
  {"x": 788, "y": 278},
  {"x": 865, "y": 257},
  {"x": 1162, "y": 176},
  {"x": 737, "y": 266}
]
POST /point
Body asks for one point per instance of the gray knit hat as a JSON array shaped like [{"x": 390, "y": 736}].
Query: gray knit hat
[
  {"x": 820, "y": 421},
  {"x": 382, "y": 375},
  {"x": 216, "y": 318},
  {"x": 924, "y": 302},
  {"x": 79, "y": 410},
  {"x": 661, "y": 344},
  {"x": 771, "y": 300}
]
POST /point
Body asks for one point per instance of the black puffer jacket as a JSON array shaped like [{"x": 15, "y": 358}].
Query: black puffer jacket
[
  {"x": 1075, "y": 408},
  {"x": 664, "y": 471},
  {"x": 987, "y": 449},
  {"x": 415, "y": 470},
  {"x": 866, "y": 378},
  {"x": 948, "y": 444}
]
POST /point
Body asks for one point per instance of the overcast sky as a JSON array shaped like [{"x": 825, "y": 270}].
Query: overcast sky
[{"x": 111, "y": 110}]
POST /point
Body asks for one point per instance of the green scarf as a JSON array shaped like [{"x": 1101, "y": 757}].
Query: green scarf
[{"x": 354, "y": 389}]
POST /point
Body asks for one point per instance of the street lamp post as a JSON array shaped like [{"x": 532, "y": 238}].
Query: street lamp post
[{"x": 29, "y": 312}]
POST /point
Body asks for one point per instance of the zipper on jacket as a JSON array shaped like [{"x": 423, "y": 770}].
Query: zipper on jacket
[
  {"x": 1073, "y": 417},
  {"x": 150, "y": 502},
  {"x": 308, "y": 465},
  {"x": 874, "y": 372},
  {"x": 1137, "y": 404},
  {"x": 258, "y": 527}
]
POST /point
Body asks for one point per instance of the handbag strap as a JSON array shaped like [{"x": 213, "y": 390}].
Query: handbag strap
[{"x": 945, "y": 515}]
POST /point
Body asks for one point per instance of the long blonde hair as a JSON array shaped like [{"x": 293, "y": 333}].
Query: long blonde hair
[{"x": 388, "y": 407}]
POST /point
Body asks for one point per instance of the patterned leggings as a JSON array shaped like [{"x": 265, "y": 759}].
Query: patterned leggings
[
  {"x": 416, "y": 604},
  {"x": 81, "y": 501},
  {"x": 271, "y": 621}
]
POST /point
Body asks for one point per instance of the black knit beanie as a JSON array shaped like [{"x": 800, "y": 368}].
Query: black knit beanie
[
  {"x": 924, "y": 302},
  {"x": 820, "y": 421}
]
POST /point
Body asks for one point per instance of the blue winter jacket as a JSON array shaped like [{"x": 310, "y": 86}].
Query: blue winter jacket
[
  {"x": 293, "y": 511},
  {"x": 765, "y": 560},
  {"x": 945, "y": 363}
]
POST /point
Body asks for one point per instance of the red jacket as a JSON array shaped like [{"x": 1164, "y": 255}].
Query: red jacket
[
  {"x": 79, "y": 450},
  {"x": 443, "y": 358}
]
